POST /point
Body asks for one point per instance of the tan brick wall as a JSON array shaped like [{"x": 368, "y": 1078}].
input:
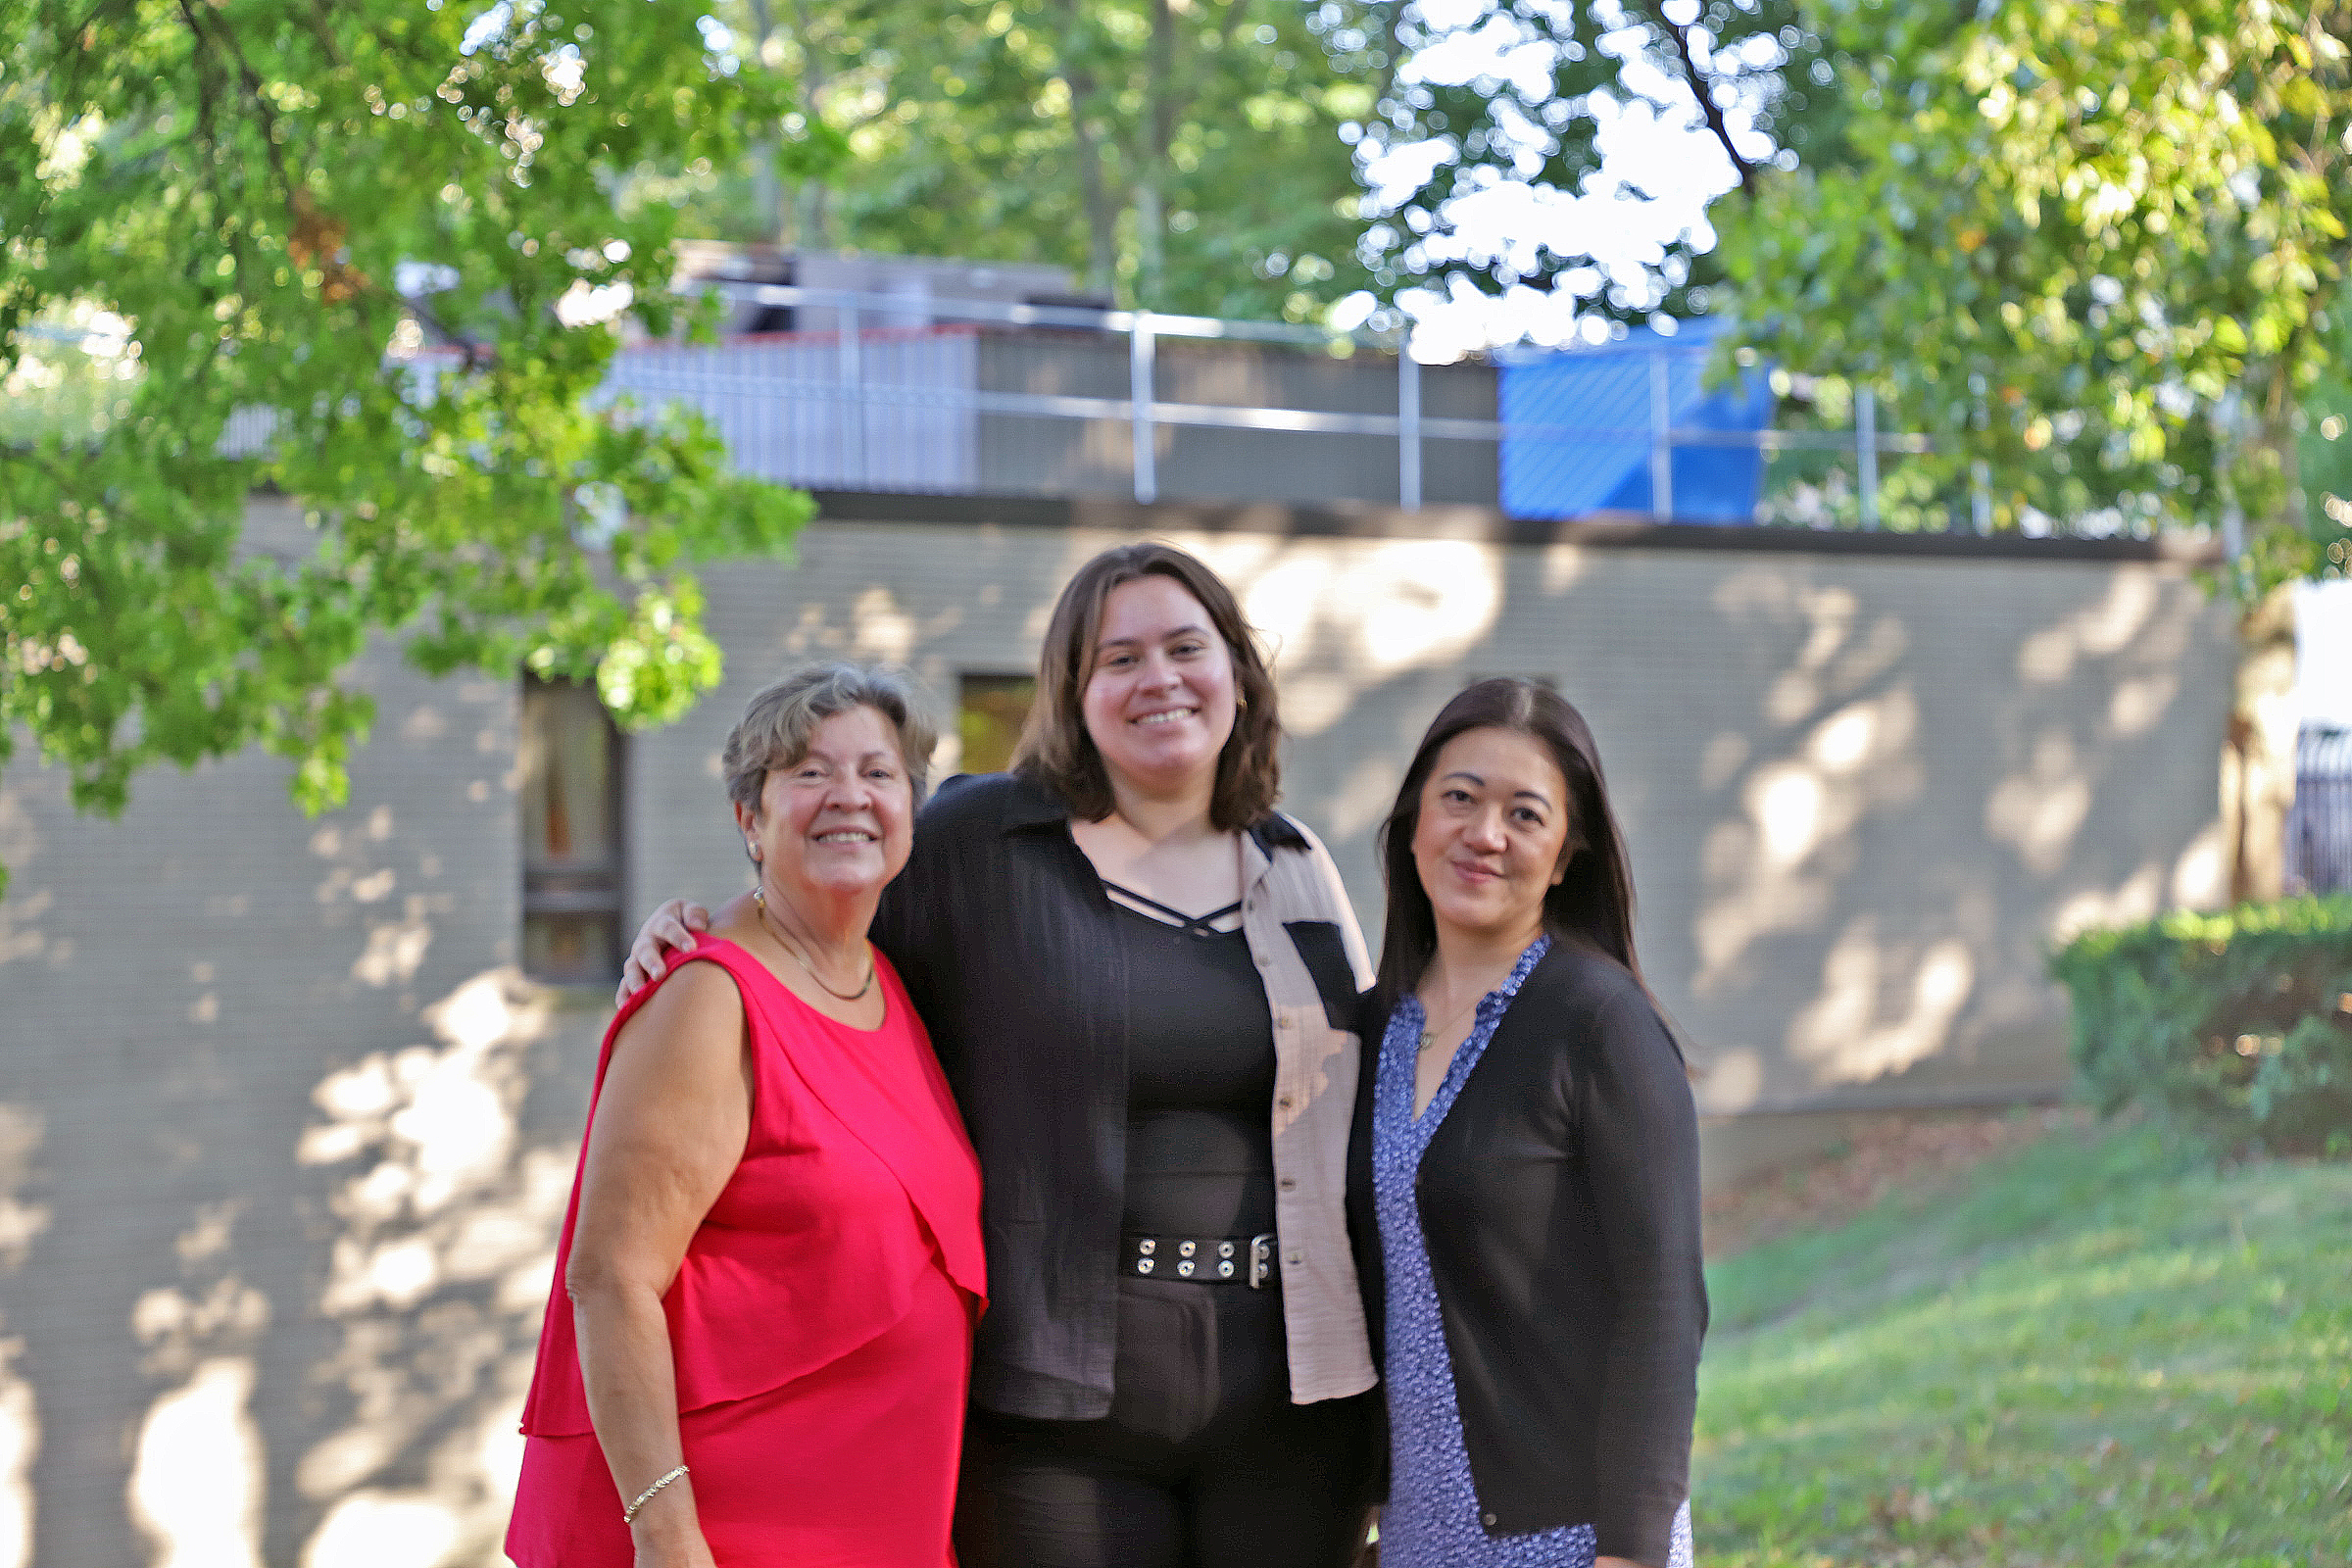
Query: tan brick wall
[
  {"x": 283, "y": 1141},
  {"x": 216, "y": 1013},
  {"x": 1861, "y": 792}
]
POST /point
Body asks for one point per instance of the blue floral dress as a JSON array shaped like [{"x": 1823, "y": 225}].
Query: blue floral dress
[{"x": 1431, "y": 1517}]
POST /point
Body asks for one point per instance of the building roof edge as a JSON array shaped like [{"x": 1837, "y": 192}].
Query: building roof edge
[{"x": 1352, "y": 520}]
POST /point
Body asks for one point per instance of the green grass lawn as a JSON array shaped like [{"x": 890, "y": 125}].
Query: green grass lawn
[{"x": 2092, "y": 1351}]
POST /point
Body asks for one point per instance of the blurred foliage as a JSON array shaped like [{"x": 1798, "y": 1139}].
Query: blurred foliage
[
  {"x": 2323, "y": 461},
  {"x": 2232, "y": 1027},
  {"x": 1184, "y": 157},
  {"x": 2090, "y": 248},
  {"x": 363, "y": 256}
]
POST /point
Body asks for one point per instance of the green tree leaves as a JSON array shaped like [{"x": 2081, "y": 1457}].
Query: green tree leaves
[
  {"x": 2090, "y": 248},
  {"x": 1520, "y": 95},
  {"x": 361, "y": 259},
  {"x": 1184, "y": 154}
]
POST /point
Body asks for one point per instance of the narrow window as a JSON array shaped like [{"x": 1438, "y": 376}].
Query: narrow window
[
  {"x": 990, "y": 711},
  {"x": 571, "y": 825}
]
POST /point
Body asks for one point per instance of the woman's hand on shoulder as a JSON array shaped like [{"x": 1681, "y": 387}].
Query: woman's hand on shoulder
[{"x": 668, "y": 929}]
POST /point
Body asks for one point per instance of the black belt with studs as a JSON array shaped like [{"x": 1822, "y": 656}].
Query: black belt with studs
[{"x": 1205, "y": 1259}]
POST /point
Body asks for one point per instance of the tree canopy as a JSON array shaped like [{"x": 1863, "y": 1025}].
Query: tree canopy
[
  {"x": 364, "y": 255},
  {"x": 376, "y": 257},
  {"x": 2094, "y": 248},
  {"x": 1489, "y": 161},
  {"x": 2094, "y": 251},
  {"x": 1180, "y": 156}
]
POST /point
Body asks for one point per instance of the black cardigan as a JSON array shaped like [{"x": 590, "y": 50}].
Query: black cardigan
[{"x": 1560, "y": 1205}]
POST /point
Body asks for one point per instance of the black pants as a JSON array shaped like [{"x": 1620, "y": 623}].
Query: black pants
[{"x": 1202, "y": 1462}]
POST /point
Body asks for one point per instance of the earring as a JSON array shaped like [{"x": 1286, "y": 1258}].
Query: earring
[{"x": 751, "y": 850}]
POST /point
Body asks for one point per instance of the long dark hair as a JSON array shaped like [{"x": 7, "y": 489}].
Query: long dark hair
[
  {"x": 1055, "y": 750},
  {"x": 1594, "y": 903}
]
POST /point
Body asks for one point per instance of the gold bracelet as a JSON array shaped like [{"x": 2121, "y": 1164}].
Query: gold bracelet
[{"x": 629, "y": 1515}]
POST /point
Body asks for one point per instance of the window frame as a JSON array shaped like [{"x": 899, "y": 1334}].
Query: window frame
[
  {"x": 565, "y": 893},
  {"x": 1003, "y": 679}
]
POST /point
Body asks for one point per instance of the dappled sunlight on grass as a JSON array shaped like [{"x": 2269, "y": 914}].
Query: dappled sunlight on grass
[{"x": 2096, "y": 1351}]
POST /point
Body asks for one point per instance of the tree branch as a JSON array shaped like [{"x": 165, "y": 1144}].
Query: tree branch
[
  {"x": 1101, "y": 218},
  {"x": 1707, "y": 106}
]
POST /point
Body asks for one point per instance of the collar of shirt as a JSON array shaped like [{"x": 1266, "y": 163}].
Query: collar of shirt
[{"x": 1524, "y": 968}]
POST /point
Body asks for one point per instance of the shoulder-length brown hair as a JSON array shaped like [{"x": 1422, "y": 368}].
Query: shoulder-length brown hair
[
  {"x": 1057, "y": 752},
  {"x": 1592, "y": 904}
]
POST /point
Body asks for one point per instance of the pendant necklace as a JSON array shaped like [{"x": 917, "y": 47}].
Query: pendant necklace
[
  {"x": 760, "y": 898},
  {"x": 1429, "y": 1035}
]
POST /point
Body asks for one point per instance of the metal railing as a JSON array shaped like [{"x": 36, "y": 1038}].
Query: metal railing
[
  {"x": 2319, "y": 828},
  {"x": 1145, "y": 412}
]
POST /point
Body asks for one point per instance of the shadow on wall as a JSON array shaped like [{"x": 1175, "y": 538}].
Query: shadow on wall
[
  {"x": 437, "y": 1279},
  {"x": 443, "y": 1220},
  {"x": 22, "y": 1221},
  {"x": 1835, "y": 743},
  {"x": 1909, "y": 820},
  {"x": 1863, "y": 794}
]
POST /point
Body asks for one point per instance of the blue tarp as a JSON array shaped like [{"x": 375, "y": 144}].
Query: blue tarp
[{"x": 1607, "y": 390}]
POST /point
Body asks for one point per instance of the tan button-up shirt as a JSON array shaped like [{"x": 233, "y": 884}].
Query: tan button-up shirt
[{"x": 1301, "y": 931}]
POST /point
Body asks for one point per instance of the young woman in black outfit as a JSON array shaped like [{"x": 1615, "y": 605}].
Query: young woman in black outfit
[{"x": 1141, "y": 979}]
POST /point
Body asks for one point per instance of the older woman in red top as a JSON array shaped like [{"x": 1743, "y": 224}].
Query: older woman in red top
[{"x": 772, "y": 1262}]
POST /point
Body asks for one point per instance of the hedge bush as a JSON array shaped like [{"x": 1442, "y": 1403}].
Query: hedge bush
[{"x": 2235, "y": 1027}]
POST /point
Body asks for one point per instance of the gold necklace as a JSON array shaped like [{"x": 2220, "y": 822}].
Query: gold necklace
[
  {"x": 1429, "y": 1034},
  {"x": 760, "y": 898}
]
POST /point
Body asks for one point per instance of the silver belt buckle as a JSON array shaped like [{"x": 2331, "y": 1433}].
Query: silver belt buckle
[{"x": 1261, "y": 1259}]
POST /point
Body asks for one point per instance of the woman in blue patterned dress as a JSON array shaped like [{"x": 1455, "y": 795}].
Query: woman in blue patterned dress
[{"x": 1524, "y": 1175}]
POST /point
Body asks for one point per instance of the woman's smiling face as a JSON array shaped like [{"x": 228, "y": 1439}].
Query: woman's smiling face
[
  {"x": 841, "y": 817},
  {"x": 1493, "y": 832},
  {"x": 1159, "y": 700}
]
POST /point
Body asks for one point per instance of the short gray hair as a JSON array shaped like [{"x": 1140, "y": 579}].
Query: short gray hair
[{"x": 779, "y": 725}]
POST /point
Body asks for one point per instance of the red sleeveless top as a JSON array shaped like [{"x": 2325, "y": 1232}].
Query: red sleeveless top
[{"x": 855, "y": 1178}]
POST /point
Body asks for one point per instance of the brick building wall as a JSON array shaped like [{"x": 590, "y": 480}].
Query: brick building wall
[{"x": 284, "y": 1136}]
